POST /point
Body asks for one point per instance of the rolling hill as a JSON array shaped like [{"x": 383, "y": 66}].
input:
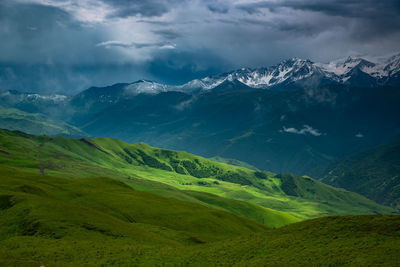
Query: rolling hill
[
  {"x": 328, "y": 241},
  {"x": 268, "y": 198},
  {"x": 102, "y": 201},
  {"x": 374, "y": 173},
  {"x": 53, "y": 221},
  {"x": 48, "y": 215}
]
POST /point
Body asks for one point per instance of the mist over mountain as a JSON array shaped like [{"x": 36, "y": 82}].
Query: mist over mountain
[
  {"x": 199, "y": 133},
  {"x": 298, "y": 73},
  {"x": 290, "y": 117}
]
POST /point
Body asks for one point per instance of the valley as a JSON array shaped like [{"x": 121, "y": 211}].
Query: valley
[
  {"x": 286, "y": 171},
  {"x": 310, "y": 118},
  {"x": 199, "y": 133},
  {"x": 102, "y": 201}
]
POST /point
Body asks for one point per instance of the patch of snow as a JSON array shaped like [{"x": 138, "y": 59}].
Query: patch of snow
[{"x": 146, "y": 87}]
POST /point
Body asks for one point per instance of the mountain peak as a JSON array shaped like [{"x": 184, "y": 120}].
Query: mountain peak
[
  {"x": 145, "y": 87},
  {"x": 296, "y": 72}
]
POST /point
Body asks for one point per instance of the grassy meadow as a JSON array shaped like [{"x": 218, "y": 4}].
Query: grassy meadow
[{"x": 103, "y": 202}]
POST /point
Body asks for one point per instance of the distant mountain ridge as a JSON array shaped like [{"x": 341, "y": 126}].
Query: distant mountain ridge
[
  {"x": 300, "y": 72},
  {"x": 294, "y": 72},
  {"x": 292, "y": 117},
  {"x": 288, "y": 74}
]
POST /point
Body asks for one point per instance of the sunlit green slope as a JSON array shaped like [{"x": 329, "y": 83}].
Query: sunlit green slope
[
  {"x": 41, "y": 215},
  {"x": 234, "y": 162},
  {"x": 282, "y": 196},
  {"x": 102, "y": 202},
  {"x": 29, "y": 153}
]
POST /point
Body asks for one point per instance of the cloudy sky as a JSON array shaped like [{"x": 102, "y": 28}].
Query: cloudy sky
[{"x": 69, "y": 45}]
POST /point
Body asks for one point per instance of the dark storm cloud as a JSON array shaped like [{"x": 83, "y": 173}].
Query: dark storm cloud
[
  {"x": 343, "y": 8},
  {"x": 218, "y": 8},
  {"x": 109, "y": 44},
  {"x": 33, "y": 33},
  {"x": 45, "y": 49},
  {"x": 95, "y": 42},
  {"x": 349, "y": 8},
  {"x": 364, "y": 19},
  {"x": 179, "y": 66},
  {"x": 147, "y": 8},
  {"x": 167, "y": 34}
]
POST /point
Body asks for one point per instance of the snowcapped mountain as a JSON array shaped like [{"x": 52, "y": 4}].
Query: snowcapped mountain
[
  {"x": 147, "y": 87},
  {"x": 13, "y": 98},
  {"x": 289, "y": 74},
  {"x": 19, "y": 96},
  {"x": 287, "y": 130},
  {"x": 297, "y": 72},
  {"x": 382, "y": 70},
  {"x": 286, "y": 73},
  {"x": 34, "y": 103}
]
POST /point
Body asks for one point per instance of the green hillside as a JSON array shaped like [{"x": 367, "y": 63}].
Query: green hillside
[
  {"x": 374, "y": 173},
  {"x": 51, "y": 221},
  {"x": 234, "y": 162},
  {"x": 48, "y": 217},
  {"x": 329, "y": 241},
  {"x": 35, "y": 123},
  {"x": 274, "y": 200},
  {"x": 77, "y": 159},
  {"x": 103, "y": 202}
]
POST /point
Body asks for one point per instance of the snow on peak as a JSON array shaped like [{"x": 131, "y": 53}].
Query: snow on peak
[
  {"x": 344, "y": 66},
  {"x": 145, "y": 87},
  {"x": 287, "y": 72},
  {"x": 379, "y": 68},
  {"x": 22, "y": 96},
  {"x": 393, "y": 65}
]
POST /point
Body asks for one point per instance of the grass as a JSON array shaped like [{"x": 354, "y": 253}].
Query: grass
[
  {"x": 289, "y": 197},
  {"x": 102, "y": 202},
  {"x": 54, "y": 221},
  {"x": 374, "y": 173},
  {"x": 44, "y": 210},
  {"x": 330, "y": 241},
  {"x": 234, "y": 162}
]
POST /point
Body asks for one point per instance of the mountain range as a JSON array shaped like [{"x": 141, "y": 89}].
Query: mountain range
[
  {"x": 294, "y": 72},
  {"x": 291, "y": 117},
  {"x": 297, "y": 72},
  {"x": 289, "y": 74},
  {"x": 97, "y": 200}
]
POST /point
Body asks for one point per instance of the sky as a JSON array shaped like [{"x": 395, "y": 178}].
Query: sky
[{"x": 65, "y": 46}]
